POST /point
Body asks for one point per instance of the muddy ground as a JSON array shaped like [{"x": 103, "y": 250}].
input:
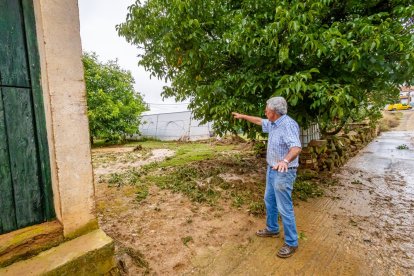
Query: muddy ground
[{"x": 363, "y": 225}]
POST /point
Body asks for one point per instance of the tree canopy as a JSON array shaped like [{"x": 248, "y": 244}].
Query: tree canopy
[
  {"x": 333, "y": 60},
  {"x": 113, "y": 104}
]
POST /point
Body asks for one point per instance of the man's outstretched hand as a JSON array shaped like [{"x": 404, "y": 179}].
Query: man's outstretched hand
[
  {"x": 251, "y": 119},
  {"x": 237, "y": 115}
]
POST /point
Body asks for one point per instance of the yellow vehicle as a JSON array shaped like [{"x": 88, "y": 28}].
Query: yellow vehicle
[{"x": 398, "y": 106}]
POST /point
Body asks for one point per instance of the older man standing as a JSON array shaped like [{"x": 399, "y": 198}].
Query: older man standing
[{"x": 283, "y": 149}]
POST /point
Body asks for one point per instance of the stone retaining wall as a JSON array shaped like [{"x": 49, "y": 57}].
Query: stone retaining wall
[{"x": 333, "y": 152}]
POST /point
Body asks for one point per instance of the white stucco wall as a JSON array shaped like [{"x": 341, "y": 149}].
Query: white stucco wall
[{"x": 66, "y": 114}]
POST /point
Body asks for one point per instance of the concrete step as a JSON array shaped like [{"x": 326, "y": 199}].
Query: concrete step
[{"x": 90, "y": 254}]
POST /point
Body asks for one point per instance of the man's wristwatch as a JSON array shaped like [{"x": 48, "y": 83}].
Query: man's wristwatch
[{"x": 285, "y": 160}]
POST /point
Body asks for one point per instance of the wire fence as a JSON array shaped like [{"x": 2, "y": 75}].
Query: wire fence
[
  {"x": 309, "y": 134},
  {"x": 182, "y": 126}
]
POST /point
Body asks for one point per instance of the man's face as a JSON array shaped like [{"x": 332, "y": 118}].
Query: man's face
[{"x": 271, "y": 115}]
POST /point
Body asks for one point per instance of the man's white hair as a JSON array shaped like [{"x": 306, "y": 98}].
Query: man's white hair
[{"x": 278, "y": 105}]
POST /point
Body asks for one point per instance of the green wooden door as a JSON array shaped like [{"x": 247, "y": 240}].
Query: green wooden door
[{"x": 25, "y": 188}]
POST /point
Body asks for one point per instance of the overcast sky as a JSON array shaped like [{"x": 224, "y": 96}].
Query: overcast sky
[{"x": 97, "y": 20}]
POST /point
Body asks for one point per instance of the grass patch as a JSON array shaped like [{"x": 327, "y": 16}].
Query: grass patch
[
  {"x": 192, "y": 152},
  {"x": 185, "y": 152},
  {"x": 141, "y": 193},
  {"x": 257, "y": 208},
  {"x": 182, "y": 172},
  {"x": 201, "y": 180},
  {"x": 115, "y": 179},
  {"x": 188, "y": 181},
  {"x": 188, "y": 154},
  {"x": 207, "y": 173}
]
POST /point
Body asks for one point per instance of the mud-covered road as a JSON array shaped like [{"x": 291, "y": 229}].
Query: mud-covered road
[{"x": 364, "y": 225}]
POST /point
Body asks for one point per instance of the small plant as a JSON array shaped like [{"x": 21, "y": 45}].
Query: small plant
[
  {"x": 302, "y": 236},
  {"x": 141, "y": 193},
  {"x": 403, "y": 147},
  {"x": 115, "y": 179},
  {"x": 356, "y": 182},
  {"x": 186, "y": 240},
  {"x": 353, "y": 222},
  {"x": 238, "y": 201},
  {"x": 257, "y": 208}
]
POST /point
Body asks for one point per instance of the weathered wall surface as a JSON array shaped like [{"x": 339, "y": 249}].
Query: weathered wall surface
[{"x": 66, "y": 114}]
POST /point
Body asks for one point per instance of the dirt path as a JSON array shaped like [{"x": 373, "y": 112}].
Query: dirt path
[
  {"x": 407, "y": 121},
  {"x": 363, "y": 226}
]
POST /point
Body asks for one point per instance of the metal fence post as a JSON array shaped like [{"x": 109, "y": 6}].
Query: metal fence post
[
  {"x": 189, "y": 128},
  {"x": 156, "y": 127}
]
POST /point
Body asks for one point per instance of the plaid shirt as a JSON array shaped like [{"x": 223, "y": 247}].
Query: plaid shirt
[{"x": 283, "y": 135}]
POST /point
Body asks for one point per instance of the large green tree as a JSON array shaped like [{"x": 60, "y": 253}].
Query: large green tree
[
  {"x": 113, "y": 104},
  {"x": 333, "y": 60}
]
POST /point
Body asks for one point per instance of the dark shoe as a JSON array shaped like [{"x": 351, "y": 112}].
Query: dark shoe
[
  {"x": 267, "y": 233},
  {"x": 286, "y": 251}
]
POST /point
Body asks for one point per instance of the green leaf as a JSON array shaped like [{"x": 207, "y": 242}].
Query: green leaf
[{"x": 283, "y": 54}]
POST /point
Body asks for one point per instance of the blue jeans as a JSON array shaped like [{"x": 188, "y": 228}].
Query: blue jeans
[{"x": 278, "y": 200}]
